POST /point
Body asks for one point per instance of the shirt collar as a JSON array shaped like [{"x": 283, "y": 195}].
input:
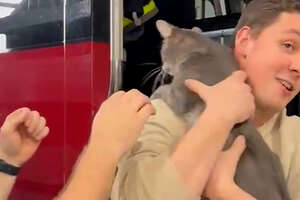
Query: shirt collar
[{"x": 267, "y": 128}]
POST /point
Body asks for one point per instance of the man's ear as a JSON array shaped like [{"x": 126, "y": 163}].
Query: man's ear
[
  {"x": 242, "y": 43},
  {"x": 164, "y": 28}
]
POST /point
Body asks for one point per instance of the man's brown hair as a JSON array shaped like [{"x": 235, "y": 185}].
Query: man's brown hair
[{"x": 259, "y": 14}]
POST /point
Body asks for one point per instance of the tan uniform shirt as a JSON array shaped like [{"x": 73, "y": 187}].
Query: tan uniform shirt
[{"x": 146, "y": 173}]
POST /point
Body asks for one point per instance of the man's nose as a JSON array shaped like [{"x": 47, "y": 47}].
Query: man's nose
[{"x": 295, "y": 65}]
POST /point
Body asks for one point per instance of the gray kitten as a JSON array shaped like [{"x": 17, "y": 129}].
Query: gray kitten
[{"x": 187, "y": 54}]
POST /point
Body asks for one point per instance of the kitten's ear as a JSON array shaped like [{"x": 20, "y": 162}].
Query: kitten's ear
[
  {"x": 197, "y": 29},
  {"x": 164, "y": 28}
]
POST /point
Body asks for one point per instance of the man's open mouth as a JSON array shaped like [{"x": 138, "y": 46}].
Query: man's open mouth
[{"x": 289, "y": 86}]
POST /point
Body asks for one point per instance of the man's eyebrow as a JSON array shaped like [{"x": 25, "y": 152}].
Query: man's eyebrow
[{"x": 293, "y": 31}]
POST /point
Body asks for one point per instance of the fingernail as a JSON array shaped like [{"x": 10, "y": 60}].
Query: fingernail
[
  {"x": 188, "y": 81},
  {"x": 242, "y": 140}
]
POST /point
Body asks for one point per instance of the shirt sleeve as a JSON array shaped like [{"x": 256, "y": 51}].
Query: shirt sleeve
[
  {"x": 146, "y": 173},
  {"x": 289, "y": 152}
]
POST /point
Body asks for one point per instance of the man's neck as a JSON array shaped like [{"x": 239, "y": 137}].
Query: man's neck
[{"x": 262, "y": 116}]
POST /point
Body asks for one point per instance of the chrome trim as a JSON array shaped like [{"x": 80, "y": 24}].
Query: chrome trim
[
  {"x": 116, "y": 45},
  {"x": 220, "y": 7},
  {"x": 219, "y": 33},
  {"x": 217, "y": 7},
  {"x": 223, "y": 7}
]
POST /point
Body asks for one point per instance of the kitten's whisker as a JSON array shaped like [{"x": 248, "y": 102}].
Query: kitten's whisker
[
  {"x": 150, "y": 74},
  {"x": 157, "y": 80},
  {"x": 146, "y": 79},
  {"x": 147, "y": 64},
  {"x": 152, "y": 71}
]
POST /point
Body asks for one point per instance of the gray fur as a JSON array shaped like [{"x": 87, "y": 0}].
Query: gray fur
[{"x": 188, "y": 54}]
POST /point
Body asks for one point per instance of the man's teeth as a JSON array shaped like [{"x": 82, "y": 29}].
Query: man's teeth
[{"x": 287, "y": 85}]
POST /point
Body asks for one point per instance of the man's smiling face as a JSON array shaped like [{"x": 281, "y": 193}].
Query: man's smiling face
[{"x": 272, "y": 62}]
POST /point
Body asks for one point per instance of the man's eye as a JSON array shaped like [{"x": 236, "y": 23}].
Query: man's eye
[{"x": 288, "y": 45}]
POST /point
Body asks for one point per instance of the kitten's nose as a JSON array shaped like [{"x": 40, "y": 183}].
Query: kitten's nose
[{"x": 168, "y": 78}]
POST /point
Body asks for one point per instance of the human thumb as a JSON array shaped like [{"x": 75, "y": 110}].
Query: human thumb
[{"x": 236, "y": 150}]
